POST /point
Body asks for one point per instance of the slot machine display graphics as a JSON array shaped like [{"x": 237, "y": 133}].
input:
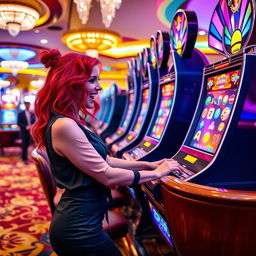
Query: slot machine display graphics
[
  {"x": 133, "y": 94},
  {"x": 218, "y": 150},
  {"x": 178, "y": 94},
  {"x": 148, "y": 96}
]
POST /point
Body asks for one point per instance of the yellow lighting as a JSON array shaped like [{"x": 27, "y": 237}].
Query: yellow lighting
[
  {"x": 26, "y": 71},
  {"x": 16, "y": 17},
  {"x": 127, "y": 49},
  {"x": 81, "y": 40}
]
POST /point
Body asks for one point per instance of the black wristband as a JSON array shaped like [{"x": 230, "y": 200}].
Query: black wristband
[{"x": 136, "y": 178}]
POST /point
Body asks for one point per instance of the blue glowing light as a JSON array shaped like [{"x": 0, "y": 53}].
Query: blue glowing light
[{"x": 16, "y": 54}]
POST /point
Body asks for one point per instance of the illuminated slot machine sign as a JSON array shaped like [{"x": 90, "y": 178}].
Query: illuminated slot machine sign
[{"x": 161, "y": 224}]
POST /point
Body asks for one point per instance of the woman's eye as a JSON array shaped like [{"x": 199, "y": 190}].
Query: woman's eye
[{"x": 92, "y": 80}]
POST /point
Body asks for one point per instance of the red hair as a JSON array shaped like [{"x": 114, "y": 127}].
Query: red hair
[{"x": 63, "y": 87}]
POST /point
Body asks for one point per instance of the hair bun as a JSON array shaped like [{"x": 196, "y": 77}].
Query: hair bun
[{"x": 49, "y": 57}]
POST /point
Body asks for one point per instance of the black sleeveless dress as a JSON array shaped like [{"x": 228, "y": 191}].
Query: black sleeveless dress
[{"x": 76, "y": 227}]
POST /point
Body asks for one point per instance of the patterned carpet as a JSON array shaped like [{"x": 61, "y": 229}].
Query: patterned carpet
[{"x": 24, "y": 213}]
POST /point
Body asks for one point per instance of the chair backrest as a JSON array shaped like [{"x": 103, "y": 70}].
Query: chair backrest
[
  {"x": 44, "y": 172},
  {"x": 209, "y": 221}
]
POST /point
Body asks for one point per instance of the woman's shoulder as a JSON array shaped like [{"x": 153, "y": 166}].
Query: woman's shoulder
[{"x": 64, "y": 124}]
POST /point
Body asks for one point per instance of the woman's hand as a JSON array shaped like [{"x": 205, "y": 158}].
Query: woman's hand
[
  {"x": 155, "y": 164},
  {"x": 166, "y": 167}
]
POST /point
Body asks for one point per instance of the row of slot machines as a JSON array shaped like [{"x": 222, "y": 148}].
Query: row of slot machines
[{"x": 202, "y": 115}]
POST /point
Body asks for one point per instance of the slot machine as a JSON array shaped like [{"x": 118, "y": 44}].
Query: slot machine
[
  {"x": 149, "y": 93},
  {"x": 114, "y": 109},
  {"x": 133, "y": 79},
  {"x": 178, "y": 94},
  {"x": 104, "y": 100},
  {"x": 217, "y": 150},
  {"x": 9, "y": 111}
]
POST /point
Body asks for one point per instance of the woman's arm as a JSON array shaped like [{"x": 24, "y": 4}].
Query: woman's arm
[
  {"x": 70, "y": 141},
  {"x": 132, "y": 164}
]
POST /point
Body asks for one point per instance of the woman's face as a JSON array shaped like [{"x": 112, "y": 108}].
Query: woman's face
[{"x": 93, "y": 87}]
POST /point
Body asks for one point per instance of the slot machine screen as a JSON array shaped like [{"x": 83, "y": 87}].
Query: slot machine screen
[
  {"x": 9, "y": 116},
  {"x": 220, "y": 96},
  {"x": 143, "y": 110},
  {"x": 129, "y": 112},
  {"x": 167, "y": 91}
]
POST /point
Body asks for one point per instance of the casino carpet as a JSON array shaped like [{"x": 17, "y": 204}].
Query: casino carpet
[{"x": 24, "y": 213}]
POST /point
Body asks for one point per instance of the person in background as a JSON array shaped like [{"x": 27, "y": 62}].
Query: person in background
[
  {"x": 25, "y": 119},
  {"x": 79, "y": 159}
]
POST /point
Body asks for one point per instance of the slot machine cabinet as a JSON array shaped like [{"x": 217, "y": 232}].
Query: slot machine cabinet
[
  {"x": 218, "y": 148},
  {"x": 133, "y": 81},
  {"x": 114, "y": 108},
  {"x": 178, "y": 94},
  {"x": 149, "y": 90}
]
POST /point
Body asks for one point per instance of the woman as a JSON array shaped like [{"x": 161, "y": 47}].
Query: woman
[{"x": 79, "y": 158}]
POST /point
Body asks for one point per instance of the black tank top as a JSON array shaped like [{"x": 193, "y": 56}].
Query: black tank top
[{"x": 66, "y": 174}]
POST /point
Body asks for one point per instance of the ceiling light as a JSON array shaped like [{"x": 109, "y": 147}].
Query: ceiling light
[
  {"x": 108, "y": 10},
  {"x": 37, "y": 83},
  {"x": 83, "y": 40},
  {"x": 4, "y": 83},
  {"x": 14, "y": 65},
  {"x": 16, "y": 17},
  {"x": 202, "y": 33},
  {"x": 43, "y": 41}
]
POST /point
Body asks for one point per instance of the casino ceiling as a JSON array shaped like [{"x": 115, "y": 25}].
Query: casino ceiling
[{"x": 59, "y": 26}]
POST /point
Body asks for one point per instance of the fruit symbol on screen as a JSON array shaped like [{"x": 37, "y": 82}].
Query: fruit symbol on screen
[
  {"x": 231, "y": 99},
  {"x": 221, "y": 126},
  {"x": 208, "y": 100},
  {"x": 216, "y": 139},
  {"x": 217, "y": 113},
  {"x": 206, "y": 137},
  {"x": 205, "y": 111},
  {"x": 225, "y": 114},
  {"x": 197, "y": 136},
  {"x": 211, "y": 126},
  {"x": 225, "y": 100}
]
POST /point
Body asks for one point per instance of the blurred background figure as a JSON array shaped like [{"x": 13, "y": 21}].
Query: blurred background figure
[{"x": 25, "y": 119}]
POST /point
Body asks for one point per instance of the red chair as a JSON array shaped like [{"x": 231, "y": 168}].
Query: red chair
[
  {"x": 117, "y": 227},
  {"x": 208, "y": 221}
]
